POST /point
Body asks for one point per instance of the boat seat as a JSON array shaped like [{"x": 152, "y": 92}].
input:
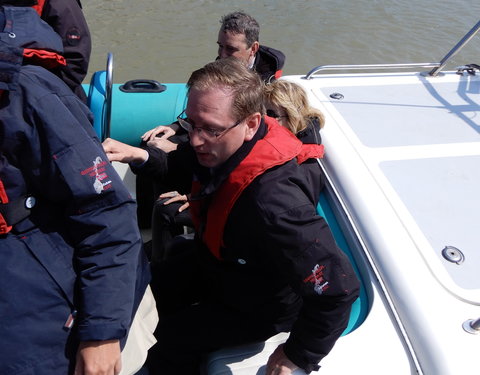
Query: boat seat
[{"x": 251, "y": 359}]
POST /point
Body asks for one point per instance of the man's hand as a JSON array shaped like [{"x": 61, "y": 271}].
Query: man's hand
[
  {"x": 166, "y": 131},
  {"x": 175, "y": 197},
  {"x": 163, "y": 144},
  {"x": 118, "y": 151},
  {"x": 98, "y": 358},
  {"x": 279, "y": 364}
]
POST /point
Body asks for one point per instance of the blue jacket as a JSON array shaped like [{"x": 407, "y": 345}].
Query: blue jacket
[
  {"x": 74, "y": 249},
  {"x": 66, "y": 18}
]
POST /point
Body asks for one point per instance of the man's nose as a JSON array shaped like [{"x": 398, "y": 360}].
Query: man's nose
[{"x": 196, "y": 139}]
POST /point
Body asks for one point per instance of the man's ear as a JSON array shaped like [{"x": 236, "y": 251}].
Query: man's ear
[
  {"x": 254, "y": 48},
  {"x": 253, "y": 123}
]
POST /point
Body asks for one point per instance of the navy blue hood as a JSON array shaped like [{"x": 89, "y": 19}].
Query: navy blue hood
[{"x": 22, "y": 27}]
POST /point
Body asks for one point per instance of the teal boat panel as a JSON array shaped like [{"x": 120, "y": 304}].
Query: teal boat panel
[
  {"x": 361, "y": 305},
  {"x": 133, "y": 113}
]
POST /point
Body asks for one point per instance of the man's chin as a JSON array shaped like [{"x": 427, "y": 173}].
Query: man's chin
[{"x": 206, "y": 160}]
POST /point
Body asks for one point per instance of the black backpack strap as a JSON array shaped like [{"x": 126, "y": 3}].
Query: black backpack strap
[{"x": 15, "y": 211}]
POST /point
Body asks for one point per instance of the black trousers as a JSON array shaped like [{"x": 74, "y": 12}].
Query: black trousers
[{"x": 192, "y": 322}]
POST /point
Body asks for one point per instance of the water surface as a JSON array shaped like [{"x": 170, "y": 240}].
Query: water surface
[{"x": 166, "y": 40}]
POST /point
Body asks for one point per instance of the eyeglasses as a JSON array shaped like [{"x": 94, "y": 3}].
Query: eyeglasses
[
  {"x": 206, "y": 133},
  {"x": 273, "y": 114}
]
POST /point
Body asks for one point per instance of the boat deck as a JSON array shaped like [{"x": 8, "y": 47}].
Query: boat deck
[
  {"x": 421, "y": 142},
  {"x": 403, "y": 150}
]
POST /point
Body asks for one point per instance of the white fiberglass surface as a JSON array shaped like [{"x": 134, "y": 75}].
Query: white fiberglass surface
[
  {"x": 443, "y": 197},
  {"x": 411, "y": 114},
  {"x": 420, "y": 140}
]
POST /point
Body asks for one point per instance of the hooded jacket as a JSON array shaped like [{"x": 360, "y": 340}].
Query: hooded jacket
[
  {"x": 66, "y": 18},
  {"x": 72, "y": 267},
  {"x": 269, "y": 63},
  {"x": 22, "y": 27}
]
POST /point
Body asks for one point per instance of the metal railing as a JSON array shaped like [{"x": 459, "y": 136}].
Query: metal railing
[
  {"x": 370, "y": 67},
  {"x": 436, "y": 66}
]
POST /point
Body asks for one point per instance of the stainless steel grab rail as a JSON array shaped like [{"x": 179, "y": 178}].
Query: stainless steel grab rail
[
  {"x": 436, "y": 66},
  {"x": 370, "y": 66},
  {"x": 455, "y": 49},
  {"x": 108, "y": 97}
]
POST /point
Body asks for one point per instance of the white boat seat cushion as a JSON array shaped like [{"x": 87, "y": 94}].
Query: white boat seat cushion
[{"x": 248, "y": 359}]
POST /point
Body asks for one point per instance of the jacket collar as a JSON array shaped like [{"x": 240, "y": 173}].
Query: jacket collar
[
  {"x": 212, "y": 178},
  {"x": 311, "y": 134}
]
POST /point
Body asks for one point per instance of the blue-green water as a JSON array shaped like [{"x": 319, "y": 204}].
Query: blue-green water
[{"x": 168, "y": 39}]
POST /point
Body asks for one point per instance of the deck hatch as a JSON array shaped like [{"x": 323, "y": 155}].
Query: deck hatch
[
  {"x": 431, "y": 190},
  {"x": 410, "y": 114}
]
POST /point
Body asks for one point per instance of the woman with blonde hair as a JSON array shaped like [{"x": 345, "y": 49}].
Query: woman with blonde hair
[{"x": 288, "y": 103}]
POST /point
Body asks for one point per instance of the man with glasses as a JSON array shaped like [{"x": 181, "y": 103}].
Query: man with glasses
[
  {"x": 238, "y": 37},
  {"x": 262, "y": 260}
]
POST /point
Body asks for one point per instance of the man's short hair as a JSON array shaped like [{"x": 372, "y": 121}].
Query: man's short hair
[
  {"x": 232, "y": 75},
  {"x": 241, "y": 23}
]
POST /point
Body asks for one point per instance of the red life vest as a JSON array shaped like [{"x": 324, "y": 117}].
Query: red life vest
[
  {"x": 277, "y": 147},
  {"x": 39, "y": 7},
  {"x": 4, "y": 227}
]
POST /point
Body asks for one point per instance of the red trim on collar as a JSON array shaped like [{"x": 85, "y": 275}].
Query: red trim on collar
[{"x": 44, "y": 58}]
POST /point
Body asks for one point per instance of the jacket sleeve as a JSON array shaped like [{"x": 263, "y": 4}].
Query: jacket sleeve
[
  {"x": 69, "y": 172},
  {"x": 304, "y": 251},
  {"x": 67, "y": 19},
  {"x": 173, "y": 170}
]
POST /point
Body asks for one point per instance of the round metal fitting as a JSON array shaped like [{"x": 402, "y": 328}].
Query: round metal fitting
[
  {"x": 30, "y": 202},
  {"x": 12, "y": 35},
  {"x": 453, "y": 255},
  {"x": 472, "y": 326},
  {"x": 336, "y": 96}
]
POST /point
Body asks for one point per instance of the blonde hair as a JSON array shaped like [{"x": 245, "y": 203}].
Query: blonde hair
[{"x": 292, "y": 98}]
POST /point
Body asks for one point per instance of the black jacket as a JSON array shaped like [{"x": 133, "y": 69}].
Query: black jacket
[
  {"x": 67, "y": 19},
  {"x": 269, "y": 63},
  {"x": 276, "y": 251}
]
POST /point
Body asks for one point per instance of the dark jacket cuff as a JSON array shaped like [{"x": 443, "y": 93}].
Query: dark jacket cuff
[{"x": 299, "y": 359}]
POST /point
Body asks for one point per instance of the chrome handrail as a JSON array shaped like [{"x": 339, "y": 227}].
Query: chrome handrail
[
  {"x": 108, "y": 96},
  {"x": 369, "y": 66},
  {"x": 436, "y": 66}
]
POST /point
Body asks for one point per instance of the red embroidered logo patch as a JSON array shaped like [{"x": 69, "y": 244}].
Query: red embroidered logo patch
[
  {"x": 317, "y": 278},
  {"x": 102, "y": 181}
]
